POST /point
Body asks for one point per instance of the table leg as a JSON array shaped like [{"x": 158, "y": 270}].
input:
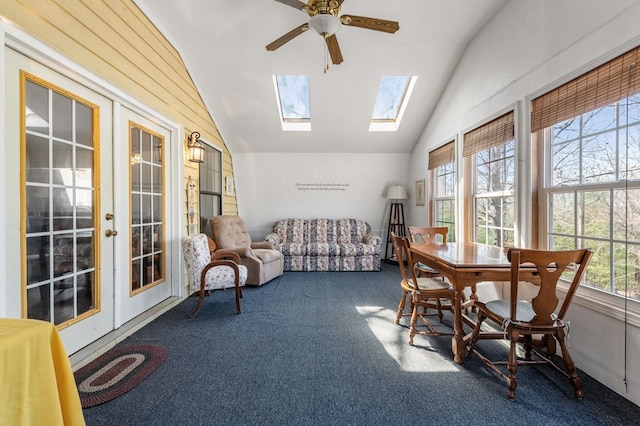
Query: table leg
[{"x": 457, "y": 341}]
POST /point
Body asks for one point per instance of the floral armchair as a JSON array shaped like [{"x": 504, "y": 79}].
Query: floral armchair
[{"x": 207, "y": 272}]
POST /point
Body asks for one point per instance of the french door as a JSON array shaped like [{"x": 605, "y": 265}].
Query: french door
[
  {"x": 142, "y": 251},
  {"x": 90, "y": 204},
  {"x": 60, "y": 135}
]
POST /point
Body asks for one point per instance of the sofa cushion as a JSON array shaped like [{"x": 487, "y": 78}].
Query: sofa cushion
[
  {"x": 320, "y": 231},
  {"x": 351, "y": 230},
  {"x": 293, "y": 249},
  {"x": 357, "y": 249},
  {"x": 290, "y": 231},
  {"x": 323, "y": 249}
]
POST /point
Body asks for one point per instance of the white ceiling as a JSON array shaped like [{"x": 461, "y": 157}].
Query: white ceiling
[{"x": 222, "y": 42}]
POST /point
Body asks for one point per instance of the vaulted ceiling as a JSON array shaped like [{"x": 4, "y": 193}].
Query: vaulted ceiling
[{"x": 222, "y": 42}]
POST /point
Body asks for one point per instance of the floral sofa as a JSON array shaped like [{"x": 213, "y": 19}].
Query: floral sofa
[{"x": 326, "y": 245}]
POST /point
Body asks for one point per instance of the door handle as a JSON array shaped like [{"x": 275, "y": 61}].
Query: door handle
[
  {"x": 108, "y": 216},
  {"x": 109, "y": 233}
]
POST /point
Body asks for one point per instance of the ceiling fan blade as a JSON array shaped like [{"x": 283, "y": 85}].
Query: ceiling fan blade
[
  {"x": 334, "y": 50},
  {"x": 287, "y": 37},
  {"x": 293, "y": 3},
  {"x": 370, "y": 23}
]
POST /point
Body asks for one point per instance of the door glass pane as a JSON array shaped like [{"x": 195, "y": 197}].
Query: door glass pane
[
  {"x": 59, "y": 204},
  {"x": 147, "y": 208}
]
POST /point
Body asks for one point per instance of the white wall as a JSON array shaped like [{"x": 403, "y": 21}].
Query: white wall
[
  {"x": 529, "y": 47},
  {"x": 273, "y": 186}
]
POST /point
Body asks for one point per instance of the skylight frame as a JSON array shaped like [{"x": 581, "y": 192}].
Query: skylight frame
[
  {"x": 287, "y": 122},
  {"x": 402, "y": 99}
]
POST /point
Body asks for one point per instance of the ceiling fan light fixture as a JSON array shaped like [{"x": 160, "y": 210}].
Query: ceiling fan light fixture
[{"x": 325, "y": 24}]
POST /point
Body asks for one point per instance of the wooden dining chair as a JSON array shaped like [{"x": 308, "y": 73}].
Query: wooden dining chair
[
  {"x": 428, "y": 235},
  {"x": 421, "y": 291},
  {"x": 539, "y": 315}
]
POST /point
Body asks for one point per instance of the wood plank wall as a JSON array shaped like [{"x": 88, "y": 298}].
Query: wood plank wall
[{"x": 116, "y": 41}]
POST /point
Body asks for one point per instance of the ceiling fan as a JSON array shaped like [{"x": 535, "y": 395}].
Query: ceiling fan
[{"x": 326, "y": 20}]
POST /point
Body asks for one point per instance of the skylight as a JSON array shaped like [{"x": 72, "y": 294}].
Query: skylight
[
  {"x": 292, "y": 93},
  {"x": 393, "y": 95}
]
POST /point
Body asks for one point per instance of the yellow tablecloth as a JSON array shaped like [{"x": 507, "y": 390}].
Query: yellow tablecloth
[{"x": 36, "y": 381}]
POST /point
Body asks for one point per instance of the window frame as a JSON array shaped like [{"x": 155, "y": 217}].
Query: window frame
[
  {"x": 215, "y": 195},
  {"x": 501, "y": 127},
  {"x": 437, "y": 170},
  {"x": 608, "y": 303}
]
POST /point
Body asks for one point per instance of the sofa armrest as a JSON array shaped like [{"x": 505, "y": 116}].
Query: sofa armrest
[
  {"x": 272, "y": 238},
  {"x": 263, "y": 245},
  {"x": 373, "y": 239}
]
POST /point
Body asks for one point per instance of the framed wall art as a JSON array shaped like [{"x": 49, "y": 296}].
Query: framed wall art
[
  {"x": 420, "y": 192},
  {"x": 228, "y": 186}
]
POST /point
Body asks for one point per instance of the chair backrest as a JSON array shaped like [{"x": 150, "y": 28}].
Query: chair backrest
[
  {"x": 428, "y": 234},
  {"x": 550, "y": 266},
  {"x": 196, "y": 253},
  {"x": 401, "y": 249},
  {"x": 229, "y": 232}
]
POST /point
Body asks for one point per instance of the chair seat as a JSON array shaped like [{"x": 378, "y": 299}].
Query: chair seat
[
  {"x": 222, "y": 277},
  {"x": 425, "y": 268},
  {"x": 502, "y": 308},
  {"x": 431, "y": 284}
]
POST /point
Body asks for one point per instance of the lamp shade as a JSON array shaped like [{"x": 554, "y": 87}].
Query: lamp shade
[
  {"x": 325, "y": 24},
  {"x": 397, "y": 192}
]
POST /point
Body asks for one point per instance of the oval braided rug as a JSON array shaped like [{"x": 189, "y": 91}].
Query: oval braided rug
[{"x": 116, "y": 372}]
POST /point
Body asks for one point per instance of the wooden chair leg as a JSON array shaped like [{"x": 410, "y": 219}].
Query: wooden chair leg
[
  {"x": 401, "y": 306},
  {"x": 199, "y": 304},
  {"x": 512, "y": 366},
  {"x": 574, "y": 379},
  {"x": 475, "y": 334},
  {"x": 238, "y": 296},
  {"x": 439, "y": 305},
  {"x": 549, "y": 343},
  {"x": 528, "y": 345},
  {"x": 414, "y": 322}
]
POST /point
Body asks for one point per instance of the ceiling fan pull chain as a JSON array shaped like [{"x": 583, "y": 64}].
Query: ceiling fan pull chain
[{"x": 326, "y": 56}]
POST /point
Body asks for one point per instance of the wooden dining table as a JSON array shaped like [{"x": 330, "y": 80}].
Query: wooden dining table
[{"x": 466, "y": 264}]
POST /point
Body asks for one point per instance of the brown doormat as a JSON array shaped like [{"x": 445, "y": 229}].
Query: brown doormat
[{"x": 116, "y": 372}]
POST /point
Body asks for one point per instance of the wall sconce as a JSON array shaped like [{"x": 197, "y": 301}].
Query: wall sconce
[{"x": 196, "y": 150}]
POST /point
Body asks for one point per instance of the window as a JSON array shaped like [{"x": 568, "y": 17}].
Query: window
[
  {"x": 491, "y": 149},
  {"x": 210, "y": 187},
  {"x": 443, "y": 175},
  {"x": 292, "y": 94},
  {"x": 591, "y": 132},
  {"x": 391, "y": 101}
]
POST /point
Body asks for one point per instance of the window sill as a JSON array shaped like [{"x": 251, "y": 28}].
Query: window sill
[{"x": 608, "y": 304}]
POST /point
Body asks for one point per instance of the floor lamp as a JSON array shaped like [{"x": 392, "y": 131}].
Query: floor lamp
[{"x": 395, "y": 193}]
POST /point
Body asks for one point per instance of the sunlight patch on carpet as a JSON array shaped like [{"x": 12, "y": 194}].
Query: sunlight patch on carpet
[{"x": 394, "y": 337}]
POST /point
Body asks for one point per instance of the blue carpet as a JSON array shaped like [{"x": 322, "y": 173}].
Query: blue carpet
[{"x": 322, "y": 348}]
